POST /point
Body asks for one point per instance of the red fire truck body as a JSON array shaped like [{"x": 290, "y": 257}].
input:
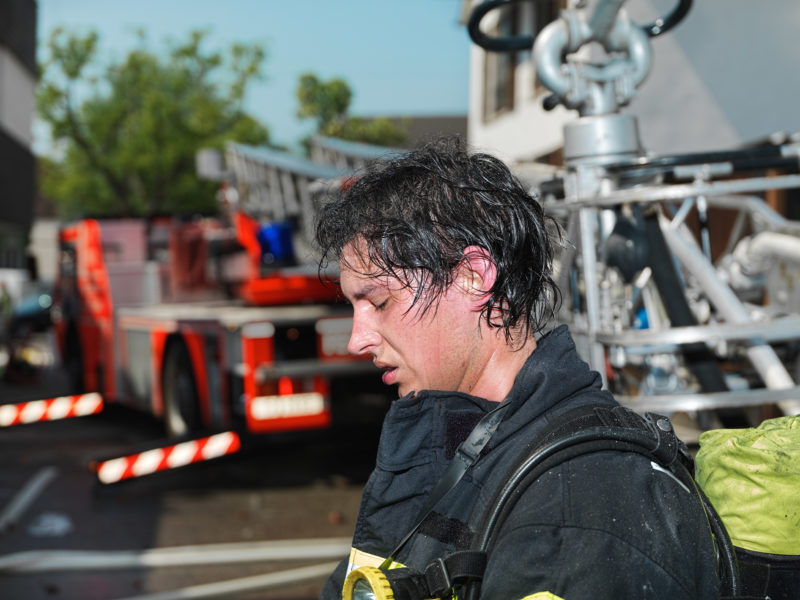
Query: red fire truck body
[{"x": 182, "y": 320}]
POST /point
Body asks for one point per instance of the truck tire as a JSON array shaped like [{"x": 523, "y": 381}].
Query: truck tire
[{"x": 181, "y": 408}]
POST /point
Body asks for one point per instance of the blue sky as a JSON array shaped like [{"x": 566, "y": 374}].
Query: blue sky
[{"x": 399, "y": 57}]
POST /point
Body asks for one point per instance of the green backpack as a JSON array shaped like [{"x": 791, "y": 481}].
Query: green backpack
[{"x": 752, "y": 478}]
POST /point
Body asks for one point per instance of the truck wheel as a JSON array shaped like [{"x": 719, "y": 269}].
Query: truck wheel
[{"x": 181, "y": 410}]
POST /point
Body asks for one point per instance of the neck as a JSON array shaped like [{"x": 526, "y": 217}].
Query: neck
[{"x": 501, "y": 364}]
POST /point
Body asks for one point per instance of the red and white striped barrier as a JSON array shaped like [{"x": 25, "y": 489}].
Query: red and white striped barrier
[
  {"x": 53, "y": 409},
  {"x": 168, "y": 457}
]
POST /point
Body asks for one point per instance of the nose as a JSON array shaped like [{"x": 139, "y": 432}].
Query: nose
[{"x": 363, "y": 337}]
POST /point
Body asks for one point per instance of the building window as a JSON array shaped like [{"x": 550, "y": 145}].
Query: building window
[{"x": 500, "y": 68}]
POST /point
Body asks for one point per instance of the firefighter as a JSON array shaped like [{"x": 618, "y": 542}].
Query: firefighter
[{"x": 446, "y": 260}]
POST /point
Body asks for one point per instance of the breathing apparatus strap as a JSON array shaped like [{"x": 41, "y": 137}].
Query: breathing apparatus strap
[
  {"x": 466, "y": 455},
  {"x": 456, "y": 568}
]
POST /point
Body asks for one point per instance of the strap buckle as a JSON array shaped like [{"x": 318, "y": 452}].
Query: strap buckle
[{"x": 442, "y": 574}]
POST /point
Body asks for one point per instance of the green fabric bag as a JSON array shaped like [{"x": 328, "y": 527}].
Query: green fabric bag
[{"x": 752, "y": 478}]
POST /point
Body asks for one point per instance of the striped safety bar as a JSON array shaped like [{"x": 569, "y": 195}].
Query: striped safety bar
[
  {"x": 167, "y": 457},
  {"x": 53, "y": 409}
]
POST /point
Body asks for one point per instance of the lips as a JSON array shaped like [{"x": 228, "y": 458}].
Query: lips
[{"x": 389, "y": 375}]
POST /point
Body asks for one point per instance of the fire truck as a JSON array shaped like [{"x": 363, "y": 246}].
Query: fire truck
[{"x": 215, "y": 322}]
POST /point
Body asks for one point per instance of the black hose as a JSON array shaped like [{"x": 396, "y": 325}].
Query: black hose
[
  {"x": 747, "y": 159},
  {"x": 510, "y": 43},
  {"x": 667, "y": 22},
  {"x": 608, "y": 438},
  {"x": 525, "y": 41},
  {"x": 730, "y": 564}
]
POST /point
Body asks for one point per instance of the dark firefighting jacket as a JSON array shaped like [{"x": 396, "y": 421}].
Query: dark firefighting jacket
[{"x": 602, "y": 525}]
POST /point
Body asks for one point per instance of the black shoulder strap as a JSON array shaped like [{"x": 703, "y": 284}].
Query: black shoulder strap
[
  {"x": 666, "y": 448},
  {"x": 466, "y": 454}
]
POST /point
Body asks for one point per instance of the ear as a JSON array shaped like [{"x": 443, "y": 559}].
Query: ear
[{"x": 477, "y": 273}]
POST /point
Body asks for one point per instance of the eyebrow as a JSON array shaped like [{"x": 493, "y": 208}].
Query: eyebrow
[{"x": 364, "y": 291}]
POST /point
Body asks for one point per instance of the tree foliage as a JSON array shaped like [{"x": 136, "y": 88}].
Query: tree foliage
[
  {"x": 328, "y": 102},
  {"x": 126, "y": 134}
]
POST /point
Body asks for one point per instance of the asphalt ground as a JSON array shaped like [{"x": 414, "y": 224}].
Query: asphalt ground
[{"x": 300, "y": 487}]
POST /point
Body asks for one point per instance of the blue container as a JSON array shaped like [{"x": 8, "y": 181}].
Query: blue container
[
  {"x": 276, "y": 242},
  {"x": 641, "y": 321}
]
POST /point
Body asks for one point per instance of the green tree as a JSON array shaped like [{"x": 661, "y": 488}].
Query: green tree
[
  {"x": 126, "y": 134},
  {"x": 328, "y": 102}
]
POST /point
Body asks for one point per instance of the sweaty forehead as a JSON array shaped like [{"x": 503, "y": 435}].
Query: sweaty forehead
[
  {"x": 359, "y": 280},
  {"x": 355, "y": 261},
  {"x": 360, "y": 276}
]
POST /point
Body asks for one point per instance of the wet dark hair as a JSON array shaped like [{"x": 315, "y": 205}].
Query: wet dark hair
[{"x": 416, "y": 214}]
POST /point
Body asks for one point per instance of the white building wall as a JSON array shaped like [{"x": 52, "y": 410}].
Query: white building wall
[{"x": 520, "y": 135}]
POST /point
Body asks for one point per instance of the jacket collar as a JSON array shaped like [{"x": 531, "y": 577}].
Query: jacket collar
[{"x": 552, "y": 373}]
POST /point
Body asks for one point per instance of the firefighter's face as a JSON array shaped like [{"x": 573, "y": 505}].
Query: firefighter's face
[{"x": 437, "y": 349}]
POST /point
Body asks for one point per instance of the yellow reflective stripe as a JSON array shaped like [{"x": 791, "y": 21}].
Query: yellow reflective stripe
[
  {"x": 542, "y": 596},
  {"x": 359, "y": 558}
]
